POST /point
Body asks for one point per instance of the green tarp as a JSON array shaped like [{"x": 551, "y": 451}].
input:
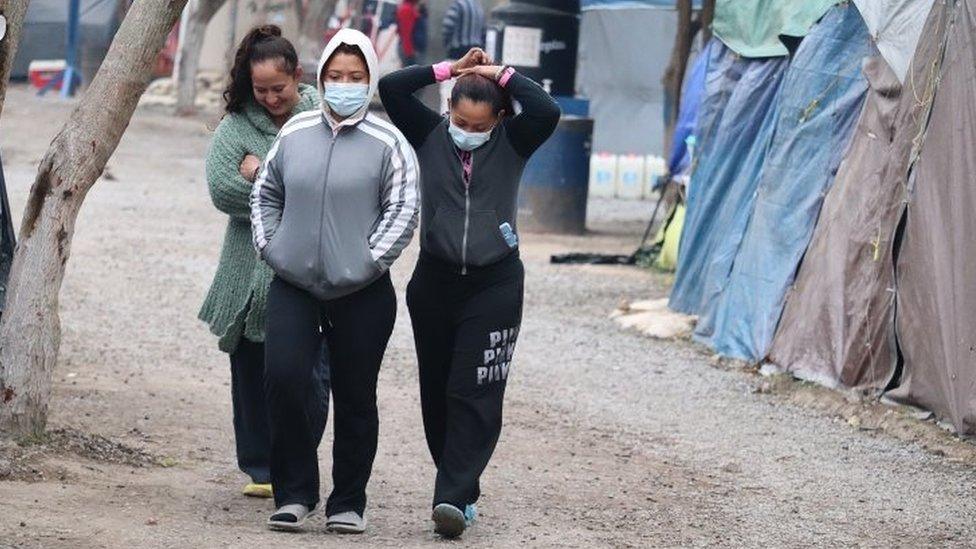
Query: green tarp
[{"x": 751, "y": 28}]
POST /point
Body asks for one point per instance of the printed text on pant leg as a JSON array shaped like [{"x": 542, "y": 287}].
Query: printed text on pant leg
[{"x": 498, "y": 355}]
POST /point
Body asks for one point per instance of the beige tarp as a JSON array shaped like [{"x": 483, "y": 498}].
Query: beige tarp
[
  {"x": 837, "y": 326},
  {"x": 936, "y": 316}
]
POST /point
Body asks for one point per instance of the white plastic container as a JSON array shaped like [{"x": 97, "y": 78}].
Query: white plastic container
[
  {"x": 654, "y": 167},
  {"x": 603, "y": 175},
  {"x": 630, "y": 177}
]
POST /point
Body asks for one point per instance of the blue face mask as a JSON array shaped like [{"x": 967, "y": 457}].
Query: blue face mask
[
  {"x": 468, "y": 141},
  {"x": 345, "y": 99}
]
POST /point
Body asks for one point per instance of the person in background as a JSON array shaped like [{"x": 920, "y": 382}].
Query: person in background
[
  {"x": 463, "y": 29},
  {"x": 407, "y": 16},
  {"x": 332, "y": 209},
  {"x": 465, "y": 295},
  {"x": 264, "y": 91},
  {"x": 421, "y": 32}
]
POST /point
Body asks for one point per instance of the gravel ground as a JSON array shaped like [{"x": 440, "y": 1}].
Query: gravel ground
[{"x": 611, "y": 439}]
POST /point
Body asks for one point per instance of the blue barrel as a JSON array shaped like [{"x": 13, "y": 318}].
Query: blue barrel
[{"x": 556, "y": 181}]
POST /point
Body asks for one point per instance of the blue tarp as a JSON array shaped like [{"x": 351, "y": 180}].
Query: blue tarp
[
  {"x": 732, "y": 136},
  {"x": 688, "y": 112},
  {"x": 816, "y": 108},
  {"x": 632, "y": 4}
]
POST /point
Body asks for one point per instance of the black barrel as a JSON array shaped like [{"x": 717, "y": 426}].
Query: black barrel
[{"x": 538, "y": 40}]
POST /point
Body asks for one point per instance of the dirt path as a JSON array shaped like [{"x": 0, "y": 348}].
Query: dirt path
[{"x": 610, "y": 439}]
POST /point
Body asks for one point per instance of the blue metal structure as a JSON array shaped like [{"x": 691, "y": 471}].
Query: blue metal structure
[{"x": 69, "y": 77}]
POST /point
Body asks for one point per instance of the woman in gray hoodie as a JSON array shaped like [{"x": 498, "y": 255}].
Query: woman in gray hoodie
[{"x": 334, "y": 205}]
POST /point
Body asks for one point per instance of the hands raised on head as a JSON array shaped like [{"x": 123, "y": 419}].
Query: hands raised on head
[{"x": 474, "y": 58}]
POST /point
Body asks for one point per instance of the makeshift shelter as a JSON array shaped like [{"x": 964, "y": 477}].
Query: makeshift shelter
[
  {"x": 679, "y": 158},
  {"x": 895, "y": 26},
  {"x": 817, "y": 105},
  {"x": 936, "y": 270},
  {"x": 837, "y": 327},
  {"x": 736, "y": 121},
  {"x": 731, "y": 138},
  {"x": 754, "y": 28},
  {"x": 625, "y": 47}
]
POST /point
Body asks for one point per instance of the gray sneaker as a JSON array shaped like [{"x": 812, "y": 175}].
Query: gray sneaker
[
  {"x": 290, "y": 518},
  {"x": 348, "y": 522},
  {"x": 448, "y": 520}
]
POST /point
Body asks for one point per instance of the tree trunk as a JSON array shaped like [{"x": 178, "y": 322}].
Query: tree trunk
[
  {"x": 14, "y": 11},
  {"x": 706, "y": 17},
  {"x": 675, "y": 73},
  {"x": 200, "y": 12},
  {"x": 30, "y": 331}
]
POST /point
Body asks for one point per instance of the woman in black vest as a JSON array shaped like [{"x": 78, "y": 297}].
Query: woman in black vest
[{"x": 465, "y": 296}]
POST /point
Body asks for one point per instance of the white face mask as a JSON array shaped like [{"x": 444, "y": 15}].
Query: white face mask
[
  {"x": 345, "y": 99},
  {"x": 468, "y": 141}
]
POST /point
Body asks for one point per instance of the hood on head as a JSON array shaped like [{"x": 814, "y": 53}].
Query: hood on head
[{"x": 351, "y": 37}]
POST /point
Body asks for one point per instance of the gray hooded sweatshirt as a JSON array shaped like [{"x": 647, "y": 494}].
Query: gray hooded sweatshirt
[{"x": 336, "y": 202}]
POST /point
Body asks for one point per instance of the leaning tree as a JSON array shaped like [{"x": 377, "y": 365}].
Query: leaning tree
[
  {"x": 30, "y": 330},
  {"x": 198, "y": 16}
]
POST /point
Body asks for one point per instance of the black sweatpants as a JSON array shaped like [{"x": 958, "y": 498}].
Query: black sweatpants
[
  {"x": 465, "y": 328},
  {"x": 251, "y": 434},
  {"x": 355, "y": 330}
]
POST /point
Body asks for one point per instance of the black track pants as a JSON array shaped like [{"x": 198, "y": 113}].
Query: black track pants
[
  {"x": 356, "y": 329},
  {"x": 465, "y": 328},
  {"x": 250, "y": 411},
  {"x": 251, "y": 432}
]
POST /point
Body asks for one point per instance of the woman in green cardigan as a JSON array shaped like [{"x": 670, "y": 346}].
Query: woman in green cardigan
[{"x": 263, "y": 93}]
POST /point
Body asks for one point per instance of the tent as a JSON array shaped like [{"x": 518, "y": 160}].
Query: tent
[
  {"x": 732, "y": 135},
  {"x": 815, "y": 110},
  {"x": 895, "y": 26},
  {"x": 837, "y": 328},
  {"x": 679, "y": 159},
  {"x": 935, "y": 318},
  {"x": 753, "y": 28}
]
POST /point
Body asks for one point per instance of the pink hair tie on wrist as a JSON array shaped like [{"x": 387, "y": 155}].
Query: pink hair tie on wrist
[
  {"x": 442, "y": 71},
  {"x": 506, "y": 75}
]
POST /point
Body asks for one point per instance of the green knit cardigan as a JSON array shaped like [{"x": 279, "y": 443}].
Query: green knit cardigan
[{"x": 235, "y": 305}]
